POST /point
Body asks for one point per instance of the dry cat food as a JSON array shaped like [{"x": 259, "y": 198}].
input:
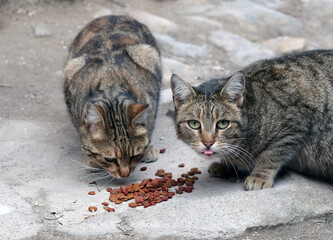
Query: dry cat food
[
  {"x": 108, "y": 209},
  {"x": 151, "y": 191},
  {"x": 181, "y": 165},
  {"x": 92, "y": 209},
  {"x": 144, "y": 168},
  {"x": 162, "y": 150},
  {"x": 91, "y": 193}
]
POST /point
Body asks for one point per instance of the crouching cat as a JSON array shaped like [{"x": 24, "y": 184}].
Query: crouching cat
[
  {"x": 112, "y": 82},
  {"x": 274, "y": 113}
]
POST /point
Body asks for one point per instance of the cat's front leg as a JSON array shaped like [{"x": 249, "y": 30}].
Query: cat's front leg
[
  {"x": 222, "y": 170},
  {"x": 151, "y": 155},
  {"x": 263, "y": 173}
]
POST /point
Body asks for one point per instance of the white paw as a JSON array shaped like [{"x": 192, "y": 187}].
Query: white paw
[
  {"x": 151, "y": 155},
  {"x": 256, "y": 183}
]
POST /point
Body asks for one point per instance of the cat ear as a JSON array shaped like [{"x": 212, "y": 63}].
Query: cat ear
[
  {"x": 138, "y": 113},
  {"x": 180, "y": 90},
  {"x": 92, "y": 119},
  {"x": 145, "y": 56},
  {"x": 73, "y": 66},
  {"x": 234, "y": 89}
]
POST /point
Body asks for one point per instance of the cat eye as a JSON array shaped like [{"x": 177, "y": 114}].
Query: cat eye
[
  {"x": 222, "y": 124},
  {"x": 111, "y": 160},
  {"x": 135, "y": 157},
  {"x": 194, "y": 124}
]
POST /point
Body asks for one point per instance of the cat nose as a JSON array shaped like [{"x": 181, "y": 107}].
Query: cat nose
[
  {"x": 208, "y": 144},
  {"x": 124, "y": 172}
]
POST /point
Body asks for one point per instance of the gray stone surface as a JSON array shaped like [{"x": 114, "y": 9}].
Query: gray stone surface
[
  {"x": 43, "y": 183},
  {"x": 177, "y": 48},
  {"x": 240, "y": 51},
  {"x": 40, "y": 30}
]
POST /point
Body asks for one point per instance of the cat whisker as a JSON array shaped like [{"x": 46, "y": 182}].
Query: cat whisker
[
  {"x": 93, "y": 174},
  {"x": 248, "y": 154},
  {"x": 104, "y": 178},
  {"x": 243, "y": 162},
  {"x": 239, "y": 153},
  {"x": 232, "y": 166}
]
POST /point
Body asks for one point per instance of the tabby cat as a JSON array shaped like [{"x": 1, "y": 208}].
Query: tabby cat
[
  {"x": 274, "y": 113},
  {"x": 112, "y": 83}
]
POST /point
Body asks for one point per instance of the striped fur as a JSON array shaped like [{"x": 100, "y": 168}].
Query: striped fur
[
  {"x": 281, "y": 115},
  {"x": 112, "y": 81}
]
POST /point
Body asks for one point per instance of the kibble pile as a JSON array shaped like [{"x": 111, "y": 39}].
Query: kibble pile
[{"x": 150, "y": 192}]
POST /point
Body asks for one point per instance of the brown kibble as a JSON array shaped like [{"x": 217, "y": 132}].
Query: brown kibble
[
  {"x": 162, "y": 150},
  {"x": 151, "y": 191},
  {"x": 164, "y": 198},
  {"x": 121, "y": 196},
  {"x": 189, "y": 183},
  {"x": 190, "y": 173},
  {"x": 164, "y": 193},
  {"x": 144, "y": 168},
  {"x": 181, "y": 165},
  {"x": 167, "y": 184},
  {"x": 113, "y": 198},
  {"x": 123, "y": 190},
  {"x": 91, "y": 193},
  {"x": 92, "y": 209},
  {"x": 179, "y": 191},
  {"x": 114, "y": 192},
  {"x": 168, "y": 175},
  {"x": 181, "y": 180},
  {"x": 195, "y": 171},
  {"x": 160, "y": 173},
  {"x": 93, "y": 182},
  {"x": 108, "y": 209},
  {"x": 130, "y": 196},
  {"x": 139, "y": 199},
  {"x": 188, "y": 189},
  {"x": 133, "y": 204}
]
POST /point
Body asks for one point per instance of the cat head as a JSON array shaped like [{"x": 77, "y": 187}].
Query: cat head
[
  {"x": 210, "y": 118},
  {"x": 114, "y": 137}
]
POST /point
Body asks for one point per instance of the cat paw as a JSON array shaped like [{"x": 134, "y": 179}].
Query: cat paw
[
  {"x": 151, "y": 155},
  {"x": 256, "y": 183},
  {"x": 91, "y": 163},
  {"x": 216, "y": 170}
]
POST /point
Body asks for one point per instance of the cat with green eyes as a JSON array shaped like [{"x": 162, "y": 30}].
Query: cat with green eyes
[{"x": 273, "y": 114}]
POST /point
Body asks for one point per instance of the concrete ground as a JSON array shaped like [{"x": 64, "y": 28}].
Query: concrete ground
[{"x": 43, "y": 184}]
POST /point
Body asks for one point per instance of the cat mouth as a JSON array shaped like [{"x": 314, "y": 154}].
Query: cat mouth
[{"x": 208, "y": 152}]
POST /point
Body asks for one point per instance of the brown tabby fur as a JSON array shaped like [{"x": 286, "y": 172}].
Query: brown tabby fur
[
  {"x": 280, "y": 113},
  {"x": 112, "y": 85}
]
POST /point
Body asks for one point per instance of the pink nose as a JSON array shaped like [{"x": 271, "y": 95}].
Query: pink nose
[
  {"x": 208, "y": 144},
  {"x": 124, "y": 172}
]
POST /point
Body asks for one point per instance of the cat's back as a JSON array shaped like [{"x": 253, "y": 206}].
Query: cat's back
[
  {"x": 305, "y": 78},
  {"x": 112, "y": 56},
  {"x": 110, "y": 33}
]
